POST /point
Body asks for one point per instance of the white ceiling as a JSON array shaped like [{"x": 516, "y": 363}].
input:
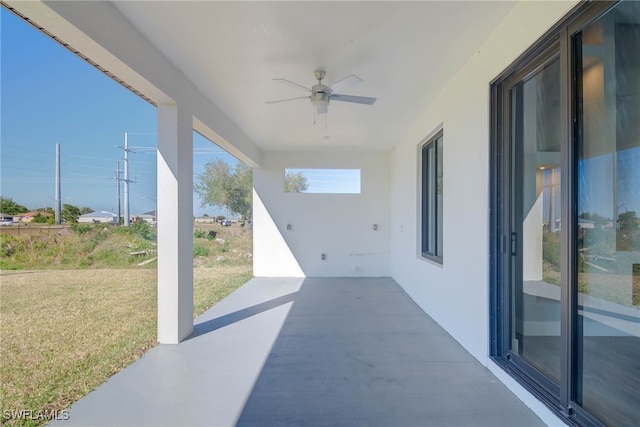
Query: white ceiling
[{"x": 405, "y": 52}]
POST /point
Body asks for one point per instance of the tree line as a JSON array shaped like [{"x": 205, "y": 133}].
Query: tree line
[
  {"x": 68, "y": 213},
  {"x": 219, "y": 186}
]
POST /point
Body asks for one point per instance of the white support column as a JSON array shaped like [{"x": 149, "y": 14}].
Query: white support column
[{"x": 175, "y": 224}]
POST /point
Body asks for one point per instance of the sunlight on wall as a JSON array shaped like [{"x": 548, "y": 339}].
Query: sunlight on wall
[{"x": 282, "y": 262}]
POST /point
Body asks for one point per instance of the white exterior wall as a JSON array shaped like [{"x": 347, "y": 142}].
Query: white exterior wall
[
  {"x": 98, "y": 219},
  {"x": 456, "y": 294},
  {"x": 337, "y": 225}
]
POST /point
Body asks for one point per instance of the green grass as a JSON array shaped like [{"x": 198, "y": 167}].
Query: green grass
[
  {"x": 65, "y": 331},
  {"x": 213, "y": 284}
]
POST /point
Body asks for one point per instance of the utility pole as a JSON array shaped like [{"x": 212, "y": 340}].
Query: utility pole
[
  {"x": 118, "y": 185},
  {"x": 57, "y": 191},
  {"x": 126, "y": 179}
]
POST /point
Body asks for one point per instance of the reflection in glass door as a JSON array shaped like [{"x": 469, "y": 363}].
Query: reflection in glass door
[
  {"x": 535, "y": 219},
  {"x": 566, "y": 295},
  {"x": 608, "y": 202}
]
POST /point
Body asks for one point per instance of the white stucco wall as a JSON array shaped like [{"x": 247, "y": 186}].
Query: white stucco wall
[
  {"x": 456, "y": 294},
  {"x": 337, "y": 225}
]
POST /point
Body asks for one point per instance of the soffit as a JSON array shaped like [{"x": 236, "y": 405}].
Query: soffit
[{"x": 406, "y": 52}]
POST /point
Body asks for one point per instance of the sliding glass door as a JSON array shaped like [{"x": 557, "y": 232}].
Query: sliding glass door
[
  {"x": 608, "y": 216},
  {"x": 535, "y": 217},
  {"x": 566, "y": 217}
]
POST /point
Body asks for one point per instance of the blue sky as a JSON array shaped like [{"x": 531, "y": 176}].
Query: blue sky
[
  {"x": 50, "y": 96},
  {"x": 596, "y": 183},
  {"x": 334, "y": 181}
]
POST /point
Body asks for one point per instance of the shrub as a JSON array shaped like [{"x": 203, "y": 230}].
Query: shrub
[
  {"x": 200, "y": 251},
  {"x": 144, "y": 230},
  {"x": 81, "y": 229},
  {"x": 199, "y": 234},
  {"x": 9, "y": 245},
  {"x": 40, "y": 219},
  {"x": 139, "y": 229}
]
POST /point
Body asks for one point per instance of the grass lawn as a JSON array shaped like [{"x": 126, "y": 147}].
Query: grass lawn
[{"x": 64, "y": 332}]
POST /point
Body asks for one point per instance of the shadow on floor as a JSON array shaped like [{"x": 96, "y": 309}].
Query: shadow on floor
[{"x": 231, "y": 318}]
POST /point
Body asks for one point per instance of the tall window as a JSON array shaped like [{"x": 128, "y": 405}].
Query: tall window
[
  {"x": 432, "y": 198},
  {"x": 565, "y": 217}
]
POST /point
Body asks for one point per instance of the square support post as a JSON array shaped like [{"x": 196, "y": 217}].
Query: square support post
[{"x": 175, "y": 224}]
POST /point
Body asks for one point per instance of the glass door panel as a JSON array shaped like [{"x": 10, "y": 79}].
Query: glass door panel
[
  {"x": 535, "y": 219},
  {"x": 608, "y": 205}
]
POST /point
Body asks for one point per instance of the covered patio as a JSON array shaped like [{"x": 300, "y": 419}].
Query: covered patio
[
  {"x": 409, "y": 338},
  {"x": 314, "y": 351}
]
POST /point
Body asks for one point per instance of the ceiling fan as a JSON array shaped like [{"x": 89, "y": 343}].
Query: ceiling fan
[{"x": 320, "y": 94}]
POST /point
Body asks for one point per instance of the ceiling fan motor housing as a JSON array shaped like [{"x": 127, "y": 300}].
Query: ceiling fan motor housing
[
  {"x": 317, "y": 96},
  {"x": 321, "y": 94}
]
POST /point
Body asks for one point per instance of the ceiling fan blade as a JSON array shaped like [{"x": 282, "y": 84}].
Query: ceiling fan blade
[
  {"x": 288, "y": 99},
  {"x": 346, "y": 83},
  {"x": 355, "y": 99},
  {"x": 296, "y": 85}
]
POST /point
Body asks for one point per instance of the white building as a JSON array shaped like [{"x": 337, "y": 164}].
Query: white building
[
  {"x": 148, "y": 217},
  {"x": 98, "y": 217}
]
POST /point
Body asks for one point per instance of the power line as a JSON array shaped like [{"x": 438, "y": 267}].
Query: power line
[
  {"x": 87, "y": 166},
  {"x": 29, "y": 159},
  {"x": 90, "y": 158},
  {"x": 21, "y": 148},
  {"x": 20, "y": 169}
]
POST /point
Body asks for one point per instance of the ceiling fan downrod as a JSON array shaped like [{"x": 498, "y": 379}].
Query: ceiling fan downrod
[{"x": 319, "y": 75}]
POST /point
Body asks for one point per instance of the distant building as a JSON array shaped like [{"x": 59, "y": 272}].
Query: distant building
[
  {"x": 585, "y": 223},
  {"x": 206, "y": 220},
  {"x": 101, "y": 217},
  {"x": 148, "y": 217},
  {"x": 25, "y": 217},
  {"x": 28, "y": 216},
  {"x": 6, "y": 219}
]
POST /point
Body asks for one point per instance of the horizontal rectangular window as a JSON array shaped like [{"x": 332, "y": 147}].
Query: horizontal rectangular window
[{"x": 322, "y": 181}]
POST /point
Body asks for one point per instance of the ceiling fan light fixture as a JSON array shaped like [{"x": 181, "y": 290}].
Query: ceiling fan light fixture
[
  {"x": 321, "y": 106},
  {"x": 320, "y": 102}
]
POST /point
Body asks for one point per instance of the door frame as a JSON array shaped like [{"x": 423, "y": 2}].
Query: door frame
[{"x": 558, "y": 41}]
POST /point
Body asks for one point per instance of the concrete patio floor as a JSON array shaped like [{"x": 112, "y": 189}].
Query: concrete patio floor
[{"x": 307, "y": 352}]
